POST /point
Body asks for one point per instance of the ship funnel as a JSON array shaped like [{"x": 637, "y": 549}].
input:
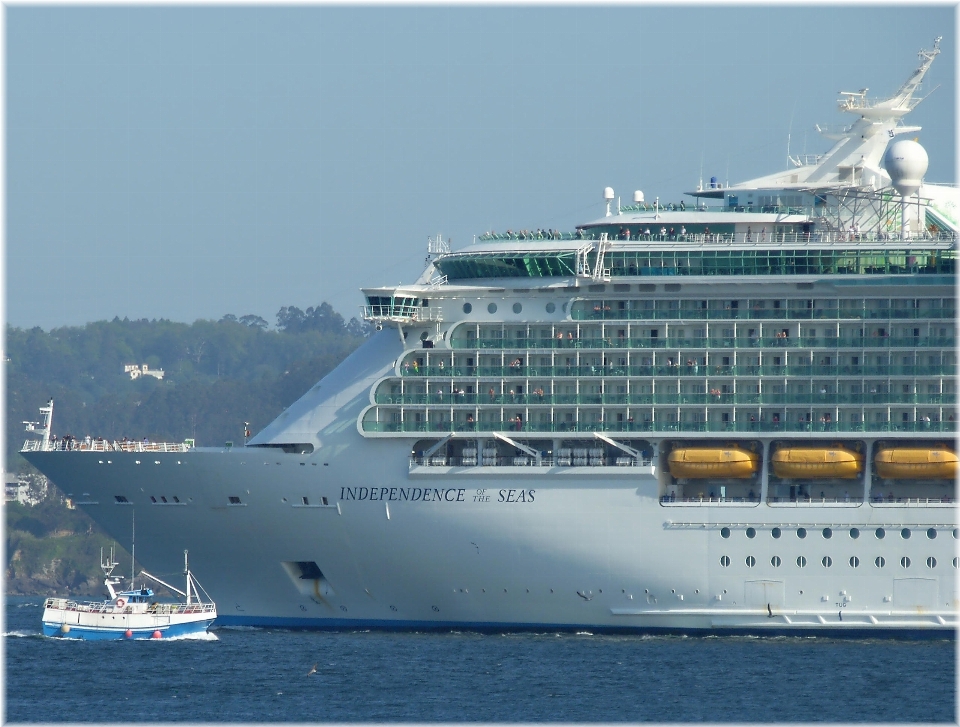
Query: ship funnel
[{"x": 906, "y": 163}]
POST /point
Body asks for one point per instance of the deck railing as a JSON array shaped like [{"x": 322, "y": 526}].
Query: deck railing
[
  {"x": 671, "y": 398},
  {"x": 793, "y": 370},
  {"x": 102, "y": 445},
  {"x": 723, "y": 428},
  {"x": 766, "y": 342}
]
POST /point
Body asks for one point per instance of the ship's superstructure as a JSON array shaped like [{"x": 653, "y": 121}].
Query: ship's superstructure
[{"x": 708, "y": 416}]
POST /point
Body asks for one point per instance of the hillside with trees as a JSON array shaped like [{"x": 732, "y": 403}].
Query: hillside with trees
[{"x": 217, "y": 375}]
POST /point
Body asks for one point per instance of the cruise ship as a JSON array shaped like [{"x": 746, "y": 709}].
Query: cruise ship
[{"x": 734, "y": 414}]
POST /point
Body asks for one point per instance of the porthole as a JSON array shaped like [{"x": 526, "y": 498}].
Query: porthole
[
  {"x": 881, "y": 533},
  {"x": 750, "y": 561},
  {"x": 775, "y": 532},
  {"x": 801, "y": 562},
  {"x": 724, "y": 532},
  {"x": 931, "y": 562},
  {"x": 854, "y": 533},
  {"x": 492, "y": 308},
  {"x": 517, "y": 307},
  {"x": 904, "y": 562},
  {"x": 905, "y": 533},
  {"x": 826, "y": 561},
  {"x": 467, "y": 308},
  {"x": 955, "y": 530},
  {"x": 854, "y": 562},
  {"x": 751, "y": 533},
  {"x": 880, "y": 562},
  {"x": 801, "y": 533},
  {"x": 724, "y": 560},
  {"x": 827, "y": 533},
  {"x": 932, "y": 533},
  {"x": 775, "y": 561},
  {"x": 551, "y": 307},
  {"x": 956, "y": 562}
]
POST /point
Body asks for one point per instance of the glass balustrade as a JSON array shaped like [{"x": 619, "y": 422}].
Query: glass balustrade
[
  {"x": 656, "y": 426},
  {"x": 507, "y": 399},
  {"x": 766, "y": 342},
  {"x": 697, "y": 370}
]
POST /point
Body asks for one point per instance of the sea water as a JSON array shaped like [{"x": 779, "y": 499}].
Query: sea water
[{"x": 253, "y": 675}]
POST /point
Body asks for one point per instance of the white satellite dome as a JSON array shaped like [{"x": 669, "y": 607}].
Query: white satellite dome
[
  {"x": 906, "y": 163},
  {"x": 608, "y": 193}
]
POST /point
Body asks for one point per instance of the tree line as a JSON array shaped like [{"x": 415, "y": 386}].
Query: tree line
[{"x": 217, "y": 374}]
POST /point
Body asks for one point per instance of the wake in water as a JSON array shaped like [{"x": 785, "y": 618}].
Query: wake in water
[{"x": 203, "y": 636}]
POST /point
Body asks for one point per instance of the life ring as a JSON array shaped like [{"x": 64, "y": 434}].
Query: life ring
[{"x": 121, "y": 602}]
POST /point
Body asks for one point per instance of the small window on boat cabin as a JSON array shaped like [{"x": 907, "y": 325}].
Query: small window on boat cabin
[
  {"x": 233, "y": 500},
  {"x": 120, "y": 498},
  {"x": 153, "y": 499},
  {"x": 306, "y": 500}
]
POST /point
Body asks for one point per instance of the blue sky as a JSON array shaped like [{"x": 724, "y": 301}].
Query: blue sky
[{"x": 187, "y": 162}]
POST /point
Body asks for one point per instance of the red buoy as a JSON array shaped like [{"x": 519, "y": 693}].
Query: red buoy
[
  {"x": 128, "y": 633},
  {"x": 157, "y": 634}
]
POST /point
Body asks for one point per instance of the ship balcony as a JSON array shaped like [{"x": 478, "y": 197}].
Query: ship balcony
[
  {"x": 400, "y": 314},
  {"x": 676, "y": 370},
  {"x": 686, "y": 343},
  {"x": 505, "y": 399},
  {"x": 608, "y": 313},
  {"x": 730, "y": 427}
]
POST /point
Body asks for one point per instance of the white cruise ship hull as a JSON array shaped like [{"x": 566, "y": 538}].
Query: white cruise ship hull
[{"x": 414, "y": 547}]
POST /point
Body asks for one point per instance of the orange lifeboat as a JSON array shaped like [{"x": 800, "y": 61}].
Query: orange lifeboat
[
  {"x": 914, "y": 463},
  {"x": 816, "y": 462},
  {"x": 700, "y": 462}
]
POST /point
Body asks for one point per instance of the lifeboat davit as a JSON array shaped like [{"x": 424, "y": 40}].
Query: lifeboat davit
[
  {"x": 817, "y": 462},
  {"x": 914, "y": 463},
  {"x": 698, "y": 462}
]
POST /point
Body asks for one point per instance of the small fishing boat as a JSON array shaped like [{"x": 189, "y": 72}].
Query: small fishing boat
[{"x": 131, "y": 614}]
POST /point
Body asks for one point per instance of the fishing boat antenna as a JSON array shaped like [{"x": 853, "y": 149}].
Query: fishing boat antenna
[
  {"x": 186, "y": 572},
  {"x": 133, "y": 548}
]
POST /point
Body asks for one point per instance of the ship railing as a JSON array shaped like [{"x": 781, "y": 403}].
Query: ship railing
[
  {"x": 527, "y": 461},
  {"x": 400, "y": 314},
  {"x": 181, "y": 608},
  {"x": 488, "y": 427},
  {"x": 859, "y": 237},
  {"x": 102, "y": 445},
  {"x": 880, "y": 501},
  {"x": 64, "y": 604},
  {"x": 765, "y": 342},
  {"x": 579, "y": 313},
  {"x": 827, "y": 399},
  {"x": 610, "y": 370},
  {"x": 852, "y": 501},
  {"x": 702, "y": 501}
]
